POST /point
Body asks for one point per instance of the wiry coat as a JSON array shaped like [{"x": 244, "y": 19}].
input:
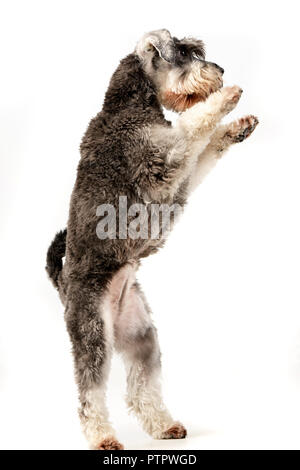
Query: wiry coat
[
  {"x": 130, "y": 149},
  {"x": 115, "y": 161}
]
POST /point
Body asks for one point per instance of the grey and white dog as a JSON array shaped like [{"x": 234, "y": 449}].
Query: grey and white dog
[{"x": 130, "y": 150}]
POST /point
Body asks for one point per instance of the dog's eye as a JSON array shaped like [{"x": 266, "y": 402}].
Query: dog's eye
[{"x": 182, "y": 52}]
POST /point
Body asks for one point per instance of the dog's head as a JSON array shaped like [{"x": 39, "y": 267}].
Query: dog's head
[{"x": 178, "y": 69}]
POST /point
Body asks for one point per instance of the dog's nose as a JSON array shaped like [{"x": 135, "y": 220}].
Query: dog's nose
[
  {"x": 221, "y": 70},
  {"x": 217, "y": 67}
]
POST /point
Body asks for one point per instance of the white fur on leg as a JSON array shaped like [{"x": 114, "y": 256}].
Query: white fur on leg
[
  {"x": 220, "y": 141},
  {"x": 144, "y": 399},
  {"x": 94, "y": 417},
  {"x": 94, "y": 413},
  {"x": 208, "y": 159},
  {"x": 202, "y": 118}
]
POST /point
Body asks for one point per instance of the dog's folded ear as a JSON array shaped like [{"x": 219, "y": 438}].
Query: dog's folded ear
[{"x": 160, "y": 40}]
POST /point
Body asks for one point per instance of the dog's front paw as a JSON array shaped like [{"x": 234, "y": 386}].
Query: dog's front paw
[
  {"x": 242, "y": 128},
  {"x": 230, "y": 98}
]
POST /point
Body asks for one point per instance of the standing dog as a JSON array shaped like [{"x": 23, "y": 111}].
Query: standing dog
[{"x": 130, "y": 150}]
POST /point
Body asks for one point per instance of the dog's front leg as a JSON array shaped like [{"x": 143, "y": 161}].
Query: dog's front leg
[
  {"x": 169, "y": 155},
  {"x": 223, "y": 137},
  {"x": 174, "y": 151},
  {"x": 198, "y": 125},
  {"x": 199, "y": 121}
]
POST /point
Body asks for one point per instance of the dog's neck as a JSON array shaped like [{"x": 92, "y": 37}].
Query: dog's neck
[{"x": 130, "y": 88}]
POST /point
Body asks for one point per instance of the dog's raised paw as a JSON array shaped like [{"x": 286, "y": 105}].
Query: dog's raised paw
[
  {"x": 231, "y": 96},
  {"x": 242, "y": 128},
  {"x": 110, "y": 443},
  {"x": 176, "y": 431}
]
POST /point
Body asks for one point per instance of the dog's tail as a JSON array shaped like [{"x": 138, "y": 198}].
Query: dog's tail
[{"x": 55, "y": 253}]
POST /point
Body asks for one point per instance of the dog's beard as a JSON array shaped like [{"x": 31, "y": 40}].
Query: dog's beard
[
  {"x": 180, "y": 102},
  {"x": 189, "y": 90}
]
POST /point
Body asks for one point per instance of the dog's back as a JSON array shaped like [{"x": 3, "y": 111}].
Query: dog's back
[{"x": 111, "y": 158}]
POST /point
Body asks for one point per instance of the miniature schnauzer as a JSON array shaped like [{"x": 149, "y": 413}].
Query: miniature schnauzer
[{"x": 130, "y": 149}]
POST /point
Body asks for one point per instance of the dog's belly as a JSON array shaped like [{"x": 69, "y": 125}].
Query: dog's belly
[{"x": 126, "y": 306}]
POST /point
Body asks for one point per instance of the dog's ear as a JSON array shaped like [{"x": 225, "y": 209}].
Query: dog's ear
[{"x": 161, "y": 40}]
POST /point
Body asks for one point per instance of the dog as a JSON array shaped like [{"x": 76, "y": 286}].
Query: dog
[{"x": 131, "y": 151}]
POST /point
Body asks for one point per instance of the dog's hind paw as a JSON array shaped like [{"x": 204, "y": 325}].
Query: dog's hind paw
[
  {"x": 110, "y": 443},
  {"x": 242, "y": 128},
  {"x": 176, "y": 431}
]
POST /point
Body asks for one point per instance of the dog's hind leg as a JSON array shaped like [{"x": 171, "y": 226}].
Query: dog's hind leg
[
  {"x": 89, "y": 324},
  {"x": 136, "y": 339}
]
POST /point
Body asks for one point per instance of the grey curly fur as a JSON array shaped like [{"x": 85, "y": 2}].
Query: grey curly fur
[{"x": 118, "y": 160}]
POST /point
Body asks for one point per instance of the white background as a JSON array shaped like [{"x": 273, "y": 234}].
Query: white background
[{"x": 225, "y": 289}]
